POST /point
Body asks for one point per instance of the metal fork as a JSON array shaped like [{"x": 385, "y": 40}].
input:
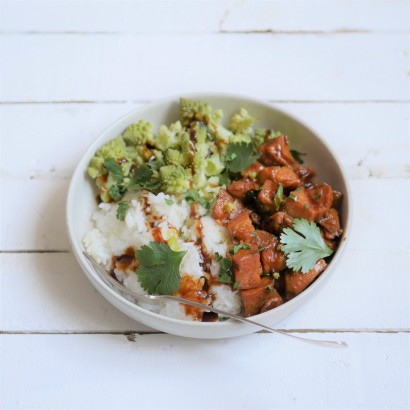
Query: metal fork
[{"x": 131, "y": 296}]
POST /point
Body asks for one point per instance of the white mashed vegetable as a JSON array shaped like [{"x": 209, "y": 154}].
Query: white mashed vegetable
[{"x": 148, "y": 216}]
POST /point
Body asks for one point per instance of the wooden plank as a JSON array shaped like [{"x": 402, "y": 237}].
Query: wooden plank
[
  {"x": 368, "y": 291},
  {"x": 49, "y": 292},
  {"x": 203, "y": 16},
  {"x": 40, "y": 370},
  {"x": 127, "y": 67},
  {"x": 367, "y": 148},
  {"x": 40, "y": 225}
]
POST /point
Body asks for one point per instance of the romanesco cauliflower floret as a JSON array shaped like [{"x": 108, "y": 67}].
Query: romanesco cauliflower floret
[
  {"x": 193, "y": 110},
  {"x": 186, "y": 146},
  {"x": 259, "y": 136},
  {"x": 141, "y": 132},
  {"x": 173, "y": 156},
  {"x": 174, "y": 178},
  {"x": 221, "y": 133},
  {"x": 240, "y": 137},
  {"x": 241, "y": 121},
  {"x": 169, "y": 137},
  {"x": 200, "y": 132},
  {"x": 199, "y": 165},
  {"x": 115, "y": 149},
  {"x": 214, "y": 165}
]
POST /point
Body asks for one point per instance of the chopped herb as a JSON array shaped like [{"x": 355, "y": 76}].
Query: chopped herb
[
  {"x": 159, "y": 269},
  {"x": 240, "y": 156},
  {"x": 278, "y": 198},
  {"x": 222, "y": 318},
  {"x": 116, "y": 192},
  {"x": 307, "y": 206},
  {"x": 297, "y": 155},
  {"x": 318, "y": 196},
  {"x": 260, "y": 249},
  {"x": 303, "y": 245},
  {"x": 114, "y": 169},
  {"x": 142, "y": 178},
  {"x": 271, "y": 288},
  {"x": 192, "y": 195},
  {"x": 169, "y": 201},
  {"x": 182, "y": 235},
  {"x": 225, "y": 272},
  {"x": 294, "y": 197},
  {"x": 224, "y": 178},
  {"x": 276, "y": 275},
  {"x": 236, "y": 248},
  {"x": 122, "y": 210},
  {"x": 236, "y": 285}
]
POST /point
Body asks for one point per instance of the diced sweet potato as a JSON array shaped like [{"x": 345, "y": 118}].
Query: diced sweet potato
[
  {"x": 255, "y": 168},
  {"x": 273, "y": 260},
  {"x": 280, "y": 175},
  {"x": 272, "y": 301},
  {"x": 330, "y": 224},
  {"x": 277, "y": 152},
  {"x": 254, "y": 299},
  {"x": 299, "y": 205},
  {"x": 278, "y": 222},
  {"x": 311, "y": 203},
  {"x": 267, "y": 193},
  {"x": 241, "y": 227},
  {"x": 247, "y": 269},
  {"x": 226, "y": 207},
  {"x": 296, "y": 283},
  {"x": 239, "y": 188},
  {"x": 306, "y": 174},
  {"x": 322, "y": 198}
]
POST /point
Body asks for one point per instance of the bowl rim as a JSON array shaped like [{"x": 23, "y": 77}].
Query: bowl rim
[{"x": 261, "y": 317}]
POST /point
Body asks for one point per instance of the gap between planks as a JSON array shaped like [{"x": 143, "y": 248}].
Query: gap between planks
[
  {"x": 153, "y": 332},
  {"x": 198, "y": 33},
  {"x": 62, "y": 102}
]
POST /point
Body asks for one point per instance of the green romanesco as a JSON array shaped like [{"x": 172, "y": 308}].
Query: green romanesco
[
  {"x": 214, "y": 165},
  {"x": 174, "y": 156},
  {"x": 115, "y": 149},
  {"x": 174, "y": 178},
  {"x": 199, "y": 165},
  {"x": 239, "y": 137},
  {"x": 191, "y": 110},
  {"x": 221, "y": 133},
  {"x": 141, "y": 132},
  {"x": 168, "y": 137},
  {"x": 241, "y": 121},
  {"x": 259, "y": 136}
]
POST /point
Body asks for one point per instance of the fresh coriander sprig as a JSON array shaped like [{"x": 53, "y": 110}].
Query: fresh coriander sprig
[
  {"x": 240, "y": 156},
  {"x": 303, "y": 245},
  {"x": 158, "y": 272}
]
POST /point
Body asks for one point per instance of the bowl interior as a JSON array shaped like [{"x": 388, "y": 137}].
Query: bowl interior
[{"x": 81, "y": 200}]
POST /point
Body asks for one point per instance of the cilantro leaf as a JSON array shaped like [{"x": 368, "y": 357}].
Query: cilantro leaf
[
  {"x": 116, "y": 192},
  {"x": 278, "y": 198},
  {"x": 159, "y": 269},
  {"x": 236, "y": 248},
  {"x": 225, "y": 272},
  {"x": 142, "y": 178},
  {"x": 192, "y": 195},
  {"x": 303, "y": 245},
  {"x": 240, "y": 156},
  {"x": 114, "y": 169},
  {"x": 122, "y": 210},
  {"x": 297, "y": 155}
]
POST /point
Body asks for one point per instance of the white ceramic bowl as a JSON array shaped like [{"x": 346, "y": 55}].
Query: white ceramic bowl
[{"x": 81, "y": 202}]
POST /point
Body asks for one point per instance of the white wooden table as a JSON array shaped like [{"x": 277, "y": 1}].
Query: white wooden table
[{"x": 69, "y": 69}]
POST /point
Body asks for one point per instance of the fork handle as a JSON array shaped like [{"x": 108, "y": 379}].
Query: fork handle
[{"x": 325, "y": 343}]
